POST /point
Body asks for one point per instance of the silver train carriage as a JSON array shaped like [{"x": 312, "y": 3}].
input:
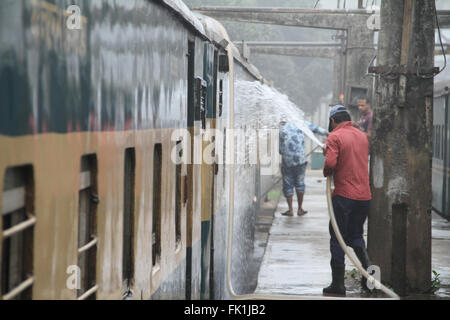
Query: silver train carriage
[
  {"x": 93, "y": 98},
  {"x": 441, "y": 149}
]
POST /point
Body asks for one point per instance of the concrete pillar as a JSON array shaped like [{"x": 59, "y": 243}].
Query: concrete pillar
[
  {"x": 359, "y": 54},
  {"x": 399, "y": 230}
]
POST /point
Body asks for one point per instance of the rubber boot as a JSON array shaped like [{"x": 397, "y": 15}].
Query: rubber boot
[
  {"x": 363, "y": 257},
  {"x": 337, "y": 287}
]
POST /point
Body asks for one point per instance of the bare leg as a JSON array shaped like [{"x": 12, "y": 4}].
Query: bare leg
[
  {"x": 300, "y": 203},
  {"x": 289, "y": 201}
]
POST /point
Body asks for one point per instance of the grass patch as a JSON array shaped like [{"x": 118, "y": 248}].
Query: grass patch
[{"x": 435, "y": 282}]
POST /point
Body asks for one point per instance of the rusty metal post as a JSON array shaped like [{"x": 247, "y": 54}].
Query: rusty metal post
[{"x": 399, "y": 231}]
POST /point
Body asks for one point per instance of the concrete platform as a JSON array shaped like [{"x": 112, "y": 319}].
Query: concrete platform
[{"x": 297, "y": 258}]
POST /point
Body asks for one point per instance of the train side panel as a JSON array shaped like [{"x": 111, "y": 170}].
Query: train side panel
[
  {"x": 88, "y": 154},
  {"x": 438, "y": 156},
  {"x": 87, "y": 93},
  {"x": 441, "y": 150},
  {"x": 447, "y": 165}
]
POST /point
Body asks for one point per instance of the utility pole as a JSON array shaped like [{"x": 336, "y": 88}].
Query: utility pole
[{"x": 400, "y": 215}]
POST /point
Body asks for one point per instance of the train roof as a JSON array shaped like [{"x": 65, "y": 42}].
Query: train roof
[
  {"x": 213, "y": 31},
  {"x": 182, "y": 9}
]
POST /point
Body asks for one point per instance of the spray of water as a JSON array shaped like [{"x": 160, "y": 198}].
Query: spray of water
[
  {"x": 268, "y": 107},
  {"x": 258, "y": 107}
]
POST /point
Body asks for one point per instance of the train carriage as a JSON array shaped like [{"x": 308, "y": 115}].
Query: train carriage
[
  {"x": 441, "y": 150},
  {"x": 92, "y": 107}
]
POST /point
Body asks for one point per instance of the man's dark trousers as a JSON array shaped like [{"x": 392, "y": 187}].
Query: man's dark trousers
[{"x": 350, "y": 216}]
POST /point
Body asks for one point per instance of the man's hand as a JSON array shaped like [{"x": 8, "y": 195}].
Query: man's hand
[
  {"x": 327, "y": 172},
  {"x": 324, "y": 150}
]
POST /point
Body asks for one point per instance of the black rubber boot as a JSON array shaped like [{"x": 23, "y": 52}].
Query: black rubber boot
[
  {"x": 337, "y": 287},
  {"x": 363, "y": 257}
]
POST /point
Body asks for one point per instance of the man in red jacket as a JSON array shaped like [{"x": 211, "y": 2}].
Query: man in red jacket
[{"x": 346, "y": 158}]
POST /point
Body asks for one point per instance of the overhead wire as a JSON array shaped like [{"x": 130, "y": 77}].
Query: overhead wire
[
  {"x": 433, "y": 74},
  {"x": 440, "y": 41}
]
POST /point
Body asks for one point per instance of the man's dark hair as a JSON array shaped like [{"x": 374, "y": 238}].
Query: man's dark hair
[
  {"x": 364, "y": 98},
  {"x": 341, "y": 117},
  {"x": 338, "y": 118}
]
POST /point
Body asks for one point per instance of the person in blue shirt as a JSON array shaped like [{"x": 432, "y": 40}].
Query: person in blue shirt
[{"x": 293, "y": 164}]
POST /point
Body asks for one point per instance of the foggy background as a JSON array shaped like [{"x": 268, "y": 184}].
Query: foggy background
[{"x": 306, "y": 81}]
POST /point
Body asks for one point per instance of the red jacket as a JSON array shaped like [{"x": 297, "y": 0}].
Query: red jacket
[{"x": 347, "y": 156}]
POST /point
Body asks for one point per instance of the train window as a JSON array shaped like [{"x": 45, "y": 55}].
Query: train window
[
  {"x": 87, "y": 228},
  {"x": 200, "y": 101},
  {"x": 220, "y": 97},
  {"x": 224, "y": 159},
  {"x": 246, "y": 148},
  {"x": 191, "y": 83},
  {"x": 434, "y": 142},
  {"x": 128, "y": 219},
  {"x": 439, "y": 142},
  {"x": 215, "y": 69},
  {"x": 156, "y": 234},
  {"x": 18, "y": 229},
  {"x": 223, "y": 62},
  {"x": 178, "y": 200}
]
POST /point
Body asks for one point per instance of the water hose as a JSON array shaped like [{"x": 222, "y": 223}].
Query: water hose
[{"x": 344, "y": 247}]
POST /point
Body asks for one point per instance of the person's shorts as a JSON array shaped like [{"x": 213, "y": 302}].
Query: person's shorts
[{"x": 293, "y": 177}]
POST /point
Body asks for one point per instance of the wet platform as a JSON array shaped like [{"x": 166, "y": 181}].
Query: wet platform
[{"x": 297, "y": 258}]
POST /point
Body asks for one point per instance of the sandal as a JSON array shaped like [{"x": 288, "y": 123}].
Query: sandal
[
  {"x": 287, "y": 214},
  {"x": 303, "y": 213}
]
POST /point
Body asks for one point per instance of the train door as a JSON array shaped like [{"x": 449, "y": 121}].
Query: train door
[
  {"x": 446, "y": 208},
  {"x": 438, "y": 180},
  {"x": 193, "y": 183},
  {"x": 188, "y": 184},
  {"x": 208, "y": 174},
  {"x": 128, "y": 223},
  {"x": 212, "y": 115}
]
